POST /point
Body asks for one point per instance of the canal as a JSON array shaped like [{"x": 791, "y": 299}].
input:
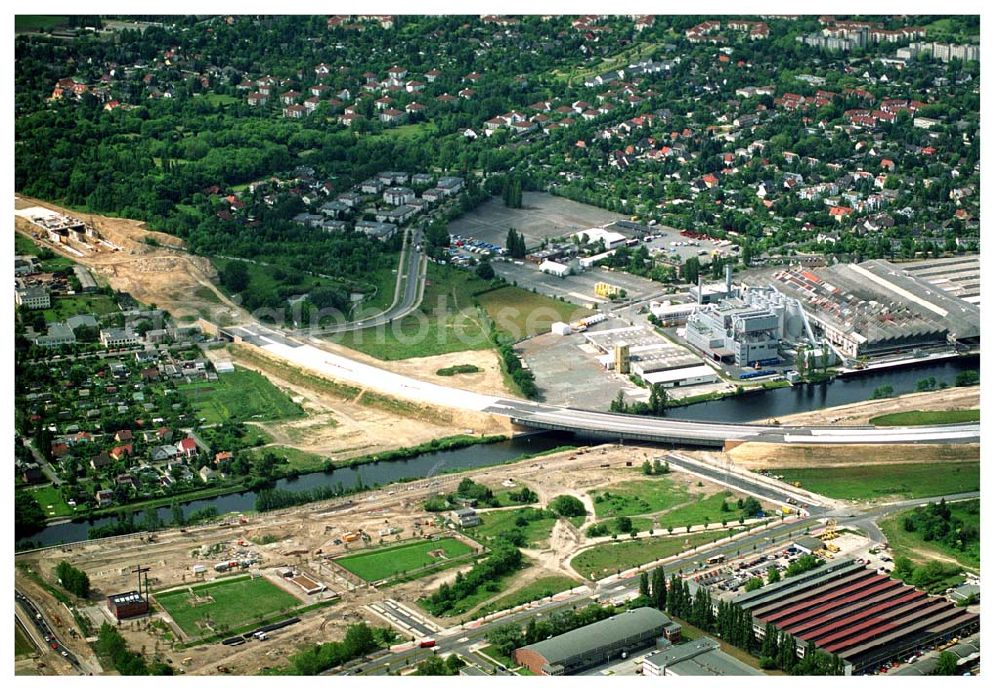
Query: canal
[{"x": 746, "y": 408}]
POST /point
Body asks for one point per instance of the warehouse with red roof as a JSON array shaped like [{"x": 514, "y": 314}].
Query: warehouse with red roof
[{"x": 865, "y": 617}]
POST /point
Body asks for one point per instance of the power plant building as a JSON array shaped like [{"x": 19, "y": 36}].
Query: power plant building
[{"x": 733, "y": 330}]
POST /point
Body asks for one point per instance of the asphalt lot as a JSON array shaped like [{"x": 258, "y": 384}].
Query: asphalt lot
[
  {"x": 578, "y": 288},
  {"x": 673, "y": 243},
  {"x": 542, "y": 216}
]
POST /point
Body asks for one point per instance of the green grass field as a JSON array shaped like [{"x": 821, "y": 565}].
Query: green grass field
[
  {"x": 241, "y": 396},
  {"x": 51, "y": 501},
  {"x": 299, "y": 460},
  {"x": 381, "y": 563},
  {"x": 406, "y": 131},
  {"x": 709, "y": 506},
  {"x": 481, "y": 595},
  {"x": 638, "y": 497},
  {"x": 925, "y": 418},
  {"x": 220, "y": 99},
  {"x": 22, "y": 647},
  {"x": 608, "y": 558},
  {"x": 37, "y": 22},
  {"x": 447, "y": 321},
  {"x": 873, "y": 482},
  {"x": 910, "y": 544},
  {"x": 234, "y": 603},
  {"x": 639, "y": 525},
  {"x": 520, "y": 313},
  {"x": 536, "y": 533},
  {"x": 542, "y": 588},
  {"x": 64, "y": 307}
]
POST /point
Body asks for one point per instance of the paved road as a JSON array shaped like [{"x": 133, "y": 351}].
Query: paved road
[
  {"x": 315, "y": 356},
  {"x": 410, "y": 277},
  {"x": 781, "y": 534},
  {"x": 750, "y": 483},
  {"x": 40, "y": 630}
]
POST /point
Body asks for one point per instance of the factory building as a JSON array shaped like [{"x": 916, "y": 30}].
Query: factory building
[
  {"x": 714, "y": 292},
  {"x": 554, "y": 268},
  {"x": 877, "y": 307},
  {"x": 594, "y": 644},
  {"x": 732, "y": 330},
  {"x": 641, "y": 352},
  {"x": 865, "y": 617},
  {"x": 699, "y": 658}
]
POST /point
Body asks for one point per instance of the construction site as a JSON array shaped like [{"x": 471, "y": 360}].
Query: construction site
[{"x": 205, "y": 585}]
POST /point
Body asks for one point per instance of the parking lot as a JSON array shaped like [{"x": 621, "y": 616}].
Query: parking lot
[
  {"x": 579, "y": 288},
  {"x": 568, "y": 374},
  {"x": 542, "y": 216},
  {"x": 669, "y": 241}
]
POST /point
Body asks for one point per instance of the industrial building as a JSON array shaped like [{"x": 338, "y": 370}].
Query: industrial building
[
  {"x": 700, "y": 657},
  {"x": 639, "y": 351},
  {"x": 594, "y": 644},
  {"x": 733, "y": 331},
  {"x": 877, "y": 307},
  {"x": 865, "y": 617},
  {"x": 126, "y": 605},
  {"x": 967, "y": 651},
  {"x": 33, "y": 297},
  {"x": 554, "y": 268},
  {"x": 714, "y": 292}
]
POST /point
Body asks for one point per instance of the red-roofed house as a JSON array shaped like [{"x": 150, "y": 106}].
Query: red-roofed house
[{"x": 187, "y": 447}]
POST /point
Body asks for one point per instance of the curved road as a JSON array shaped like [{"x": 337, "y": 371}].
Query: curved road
[{"x": 409, "y": 291}]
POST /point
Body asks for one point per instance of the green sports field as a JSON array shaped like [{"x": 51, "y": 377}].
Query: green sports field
[
  {"x": 381, "y": 563},
  {"x": 228, "y": 605}
]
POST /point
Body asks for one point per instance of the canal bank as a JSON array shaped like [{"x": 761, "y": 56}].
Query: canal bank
[
  {"x": 749, "y": 407},
  {"x": 762, "y": 405},
  {"x": 370, "y": 475}
]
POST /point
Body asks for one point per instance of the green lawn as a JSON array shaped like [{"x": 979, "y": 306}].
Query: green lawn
[
  {"x": 51, "y": 501},
  {"x": 536, "y": 533},
  {"x": 695, "y": 513},
  {"x": 64, "y": 307},
  {"x": 406, "y": 131},
  {"x": 38, "y": 22},
  {"x": 447, "y": 321},
  {"x": 608, "y": 558},
  {"x": 220, "y": 98},
  {"x": 639, "y": 524},
  {"x": 908, "y": 543},
  {"x": 381, "y": 563},
  {"x": 241, "y": 396},
  {"x": 902, "y": 481},
  {"x": 301, "y": 461},
  {"x": 520, "y": 313},
  {"x": 925, "y": 418},
  {"x": 542, "y": 588},
  {"x": 22, "y": 646},
  {"x": 234, "y": 603},
  {"x": 638, "y": 497}
]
